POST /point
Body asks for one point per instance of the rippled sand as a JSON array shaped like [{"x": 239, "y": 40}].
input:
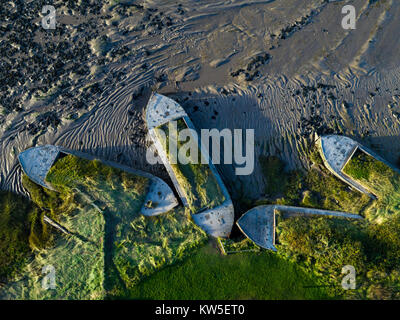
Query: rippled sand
[{"x": 317, "y": 78}]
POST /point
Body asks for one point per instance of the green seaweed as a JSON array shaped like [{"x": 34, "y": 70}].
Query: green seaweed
[
  {"x": 325, "y": 245},
  {"x": 196, "y": 179},
  {"x": 209, "y": 275},
  {"x": 378, "y": 178},
  {"x": 111, "y": 246},
  {"x": 16, "y": 213},
  {"x": 136, "y": 245},
  {"x": 229, "y": 246}
]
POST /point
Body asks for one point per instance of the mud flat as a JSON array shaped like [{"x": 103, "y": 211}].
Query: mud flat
[{"x": 317, "y": 77}]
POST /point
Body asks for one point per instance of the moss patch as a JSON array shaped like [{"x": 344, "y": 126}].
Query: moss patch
[
  {"x": 210, "y": 275},
  {"x": 379, "y": 179},
  {"x": 325, "y": 245},
  {"x": 196, "y": 179},
  {"x": 315, "y": 188},
  {"x": 16, "y": 213}
]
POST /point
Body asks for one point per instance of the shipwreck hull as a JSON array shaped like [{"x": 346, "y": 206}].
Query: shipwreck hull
[
  {"x": 259, "y": 224},
  {"x": 336, "y": 151},
  {"x": 216, "y": 221},
  {"x": 36, "y": 163}
]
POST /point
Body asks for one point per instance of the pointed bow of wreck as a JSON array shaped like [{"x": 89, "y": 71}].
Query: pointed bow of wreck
[
  {"x": 258, "y": 224},
  {"x": 36, "y": 163},
  {"x": 161, "y": 109},
  {"x": 335, "y": 152}
]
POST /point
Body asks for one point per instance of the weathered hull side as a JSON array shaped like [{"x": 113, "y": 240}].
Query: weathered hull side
[
  {"x": 217, "y": 221},
  {"x": 36, "y": 163}
]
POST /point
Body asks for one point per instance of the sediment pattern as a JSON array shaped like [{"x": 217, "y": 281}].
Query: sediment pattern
[{"x": 84, "y": 85}]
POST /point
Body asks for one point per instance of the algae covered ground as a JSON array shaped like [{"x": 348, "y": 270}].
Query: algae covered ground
[
  {"x": 314, "y": 188},
  {"x": 198, "y": 183},
  {"x": 111, "y": 247},
  {"x": 210, "y": 275},
  {"x": 77, "y": 259},
  {"x": 379, "y": 179},
  {"x": 82, "y": 263},
  {"x": 323, "y": 245},
  {"x": 136, "y": 246},
  {"x": 16, "y": 213},
  {"x": 143, "y": 245},
  {"x": 114, "y": 252}
]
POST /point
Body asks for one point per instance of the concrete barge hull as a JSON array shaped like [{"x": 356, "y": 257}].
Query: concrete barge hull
[
  {"x": 36, "y": 163},
  {"x": 217, "y": 221},
  {"x": 259, "y": 224},
  {"x": 336, "y": 151}
]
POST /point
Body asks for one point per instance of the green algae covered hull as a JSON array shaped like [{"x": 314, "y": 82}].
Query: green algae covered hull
[
  {"x": 378, "y": 178},
  {"x": 199, "y": 185},
  {"x": 365, "y": 171},
  {"x": 37, "y": 162}
]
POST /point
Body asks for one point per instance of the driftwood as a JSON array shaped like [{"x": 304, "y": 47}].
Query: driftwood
[{"x": 56, "y": 225}]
